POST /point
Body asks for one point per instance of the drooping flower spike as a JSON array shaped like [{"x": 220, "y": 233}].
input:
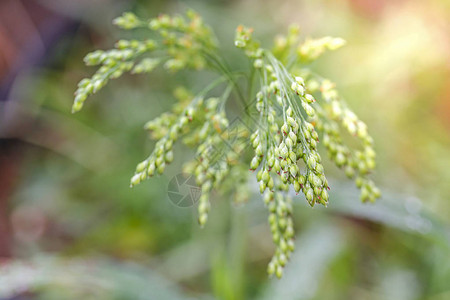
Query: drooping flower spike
[{"x": 297, "y": 111}]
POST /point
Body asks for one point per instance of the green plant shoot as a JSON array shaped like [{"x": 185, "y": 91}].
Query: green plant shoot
[{"x": 291, "y": 109}]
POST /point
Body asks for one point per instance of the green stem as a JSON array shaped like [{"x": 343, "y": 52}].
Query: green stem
[
  {"x": 225, "y": 70},
  {"x": 250, "y": 82}
]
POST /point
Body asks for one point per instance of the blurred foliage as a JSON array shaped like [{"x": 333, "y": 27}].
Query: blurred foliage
[{"x": 80, "y": 232}]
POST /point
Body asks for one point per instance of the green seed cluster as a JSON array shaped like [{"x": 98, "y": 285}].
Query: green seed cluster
[
  {"x": 285, "y": 148},
  {"x": 282, "y": 228},
  {"x": 356, "y": 163},
  {"x": 291, "y": 121},
  {"x": 327, "y": 115},
  {"x": 292, "y": 144},
  {"x": 113, "y": 63},
  {"x": 201, "y": 123},
  {"x": 160, "y": 126},
  {"x": 284, "y": 44},
  {"x": 284, "y": 139},
  {"x": 243, "y": 39},
  {"x": 186, "y": 40},
  {"x": 289, "y": 50},
  {"x": 163, "y": 153},
  {"x": 209, "y": 169},
  {"x": 312, "y": 49},
  {"x": 183, "y": 43},
  {"x": 128, "y": 21}
]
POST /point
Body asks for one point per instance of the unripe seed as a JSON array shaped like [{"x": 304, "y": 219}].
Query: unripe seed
[
  {"x": 173, "y": 134},
  {"x": 365, "y": 195},
  {"x": 362, "y": 167},
  {"x": 159, "y": 151},
  {"x": 279, "y": 271},
  {"x": 283, "y": 164},
  {"x": 293, "y": 136},
  {"x": 309, "y": 195},
  {"x": 190, "y": 112},
  {"x": 141, "y": 166},
  {"x": 370, "y": 163},
  {"x": 316, "y": 181},
  {"x": 284, "y": 177},
  {"x": 308, "y": 109},
  {"x": 291, "y": 121},
  {"x": 282, "y": 208},
  {"x": 301, "y": 179},
  {"x": 183, "y": 121},
  {"x": 277, "y": 166},
  {"x": 307, "y": 134},
  {"x": 159, "y": 161},
  {"x": 340, "y": 159},
  {"x": 317, "y": 190},
  {"x": 349, "y": 171},
  {"x": 258, "y": 64},
  {"x": 151, "y": 170},
  {"x": 272, "y": 219},
  {"x": 300, "y": 80},
  {"x": 311, "y": 162},
  {"x": 319, "y": 168},
  {"x": 292, "y": 156},
  {"x": 359, "y": 182},
  {"x": 255, "y": 163},
  {"x": 169, "y": 156},
  {"x": 272, "y": 207},
  {"x": 268, "y": 197},
  {"x": 204, "y": 207},
  {"x": 284, "y": 151},
  {"x": 289, "y": 232},
  {"x": 262, "y": 187},
  {"x": 282, "y": 223},
  {"x": 293, "y": 170},
  {"x": 275, "y": 237},
  {"x": 259, "y": 175},
  {"x": 291, "y": 245},
  {"x": 324, "y": 195},
  {"x": 376, "y": 192},
  {"x": 259, "y": 150},
  {"x": 271, "y": 162},
  {"x": 282, "y": 259},
  {"x": 202, "y": 219},
  {"x": 270, "y": 184},
  {"x": 136, "y": 179},
  {"x": 296, "y": 186},
  {"x": 326, "y": 140},
  {"x": 256, "y": 142},
  {"x": 161, "y": 168},
  {"x": 206, "y": 187},
  {"x": 265, "y": 176},
  {"x": 289, "y": 143},
  {"x": 271, "y": 268},
  {"x": 309, "y": 98}
]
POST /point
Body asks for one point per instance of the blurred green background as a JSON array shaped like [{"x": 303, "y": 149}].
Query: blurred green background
[{"x": 71, "y": 228}]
